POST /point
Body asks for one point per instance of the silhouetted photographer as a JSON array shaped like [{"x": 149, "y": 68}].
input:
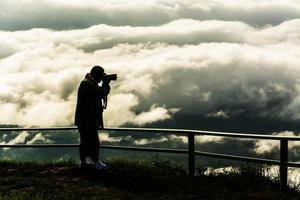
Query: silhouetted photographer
[{"x": 91, "y": 101}]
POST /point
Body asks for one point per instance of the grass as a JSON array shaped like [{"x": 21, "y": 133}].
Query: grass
[{"x": 126, "y": 179}]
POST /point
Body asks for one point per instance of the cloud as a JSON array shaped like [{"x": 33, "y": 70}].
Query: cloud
[
  {"x": 177, "y": 138},
  {"x": 105, "y": 137},
  {"x": 270, "y": 146},
  {"x": 198, "y": 139},
  {"x": 178, "y": 32},
  {"x": 183, "y": 66},
  {"x": 120, "y": 111},
  {"x": 160, "y": 140},
  {"x": 39, "y": 138},
  {"x": 150, "y": 141},
  {"x": 155, "y": 114},
  {"x": 208, "y": 139},
  {"x": 216, "y": 69},
  {"x": 19, "y": 139},
  {"x": 59, "y": 15},
  {"x": 25, "y": 137},
  {"x": 218, "y": 114},
  {"x": 142, "y": 84}
]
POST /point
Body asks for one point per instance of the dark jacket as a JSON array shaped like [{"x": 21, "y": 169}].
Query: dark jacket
[{"x": 89, "y": 103}]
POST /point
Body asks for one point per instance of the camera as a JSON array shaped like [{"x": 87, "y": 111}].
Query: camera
[{"x": 109, "y": 77}]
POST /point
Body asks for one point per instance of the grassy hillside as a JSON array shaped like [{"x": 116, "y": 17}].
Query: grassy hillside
[{"x": 130, "y": 180}]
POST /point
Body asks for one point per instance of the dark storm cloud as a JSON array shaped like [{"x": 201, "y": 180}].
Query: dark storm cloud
[
  {"x": 230, "y": 90},
  {"x": 239, "y": 83},
  {"x": 60, "y": 15}
]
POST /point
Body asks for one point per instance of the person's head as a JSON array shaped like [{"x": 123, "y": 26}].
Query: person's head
[{"x": 97, "y": 73}]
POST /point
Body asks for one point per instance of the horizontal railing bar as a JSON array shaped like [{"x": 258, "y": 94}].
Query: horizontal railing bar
[
  {"x": 148, "y": 149},
  {"x": 238, "y": 158},
  {"x": 293, "y": 164},
  {"x": 38, "y": 145},
  {"x": 39, "y": 129},
  {"x": 211, "y": 133},
  {"x": 182, "y": 131},
  {"x": 163, "y": 150}
]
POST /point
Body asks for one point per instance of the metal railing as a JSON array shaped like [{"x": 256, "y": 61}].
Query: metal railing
[{"x": 282, "y": 162}]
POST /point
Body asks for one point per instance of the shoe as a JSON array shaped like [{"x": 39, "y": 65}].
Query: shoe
[
  {"x": 89, "y": 161},
  {"x": 100, "y": 165}
]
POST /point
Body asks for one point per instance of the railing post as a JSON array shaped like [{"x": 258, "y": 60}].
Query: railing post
[
  {"x": 283, "y": 164},
  {"x": 191, "y": 141}
]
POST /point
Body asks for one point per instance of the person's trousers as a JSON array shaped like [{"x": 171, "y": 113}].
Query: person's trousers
[{"x": 89, "y": 143}]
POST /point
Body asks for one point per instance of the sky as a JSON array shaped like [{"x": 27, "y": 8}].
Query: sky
[{"x": 216, "y": 65}]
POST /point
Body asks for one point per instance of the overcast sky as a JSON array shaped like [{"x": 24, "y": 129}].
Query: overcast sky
[{"x": 210, "y": 64}]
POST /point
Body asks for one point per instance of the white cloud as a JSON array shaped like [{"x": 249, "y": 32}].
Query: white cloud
[
  {"x": 39, "y": 138},
  {"x": 142, "y": 84},
  {"x": 193, "y": 64},
  {"x": 207, "y": 139},
  {"x": 179, "y": 32},
  {"x": 119, "y": 109},
  {"x": 150, "y": 141},
  {"x": 52, "y": 75},
  {"x": 140, "y": 68},
  {"x": 155, "y": 114},
  {"x": 107, "y": 138},
  {"x": 268, "y": 146},
  {"x": 57, "y": 14},
  {"x": 19, "y": 139},
  {"x": 218, "y": 114},
  {"x": 177, "y": 140},
  {"x": 198, "y": 139}
]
